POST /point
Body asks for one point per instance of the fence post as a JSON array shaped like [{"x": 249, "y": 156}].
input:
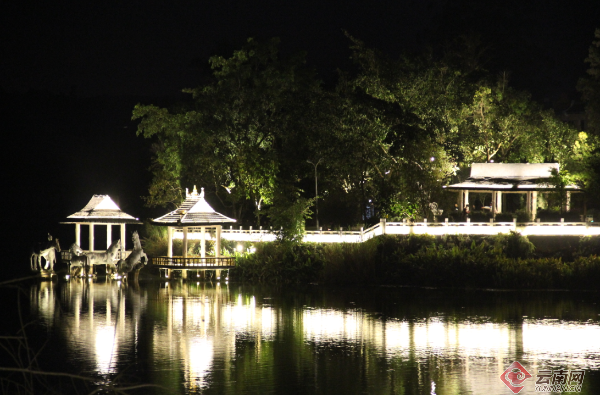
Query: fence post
[
  {"x": 382, "y": 225},
  {"x": 425, "y": 221},
  {"x": 562, "y": 222},
  {"x": 361, "y": 234}
]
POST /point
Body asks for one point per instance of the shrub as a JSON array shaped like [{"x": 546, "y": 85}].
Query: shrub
[
  {"x": 480, "y": 216},
  {"x": 502, "y": 261}
]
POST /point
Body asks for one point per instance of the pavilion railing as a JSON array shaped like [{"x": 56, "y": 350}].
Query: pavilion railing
[{"x": 191, "y": 262}]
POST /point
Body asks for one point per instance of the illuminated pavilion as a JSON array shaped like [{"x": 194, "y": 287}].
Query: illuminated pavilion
[
  {"x": 191, "y": 220},
  {"x": 500, "y": 179},
  {"x": 101, "y": 210}
]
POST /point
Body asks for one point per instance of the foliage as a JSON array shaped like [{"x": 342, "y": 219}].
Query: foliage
[
  {"x": 389, "y": 137},
  {"x": 280, "y": 262},
  {"x": 154, "y": 239},
  {"x": 399, "y": 209},
  {"x": 239, "y": 132},
  {"x": 503, "y": 261},
  {"x": 517, "y": 246},
  {"x": 289, "y": 217}
]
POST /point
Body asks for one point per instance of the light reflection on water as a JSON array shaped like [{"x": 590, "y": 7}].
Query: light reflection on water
[{"x": 196, "y": 338}]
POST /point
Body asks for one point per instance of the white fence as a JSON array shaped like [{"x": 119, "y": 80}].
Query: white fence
[{"x": 434, "y": 229}]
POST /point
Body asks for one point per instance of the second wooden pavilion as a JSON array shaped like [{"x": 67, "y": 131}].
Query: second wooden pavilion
[{"x": 191, "y": 220}]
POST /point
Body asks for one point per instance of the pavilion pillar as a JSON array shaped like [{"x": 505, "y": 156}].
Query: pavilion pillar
[
  {"x": 567, "y": 206},
  {"x": 91, "y": 237},
  {"x": 169, "y": 241},
  {"x": 78, "y": 234},
  {"x": 203, "y": 242},
  {"x": 499, "y": 201},
  {"x": 460, "y": 201},
  {"x": 528, "y": 208},
  {"x": 534, "y": 195},
  {"x": 466, "y": 199},
  {"x": 123, "y": 246},
  {"x": 218, "y": 241},
  {"x": 185, "y": 241},
  {"x": 493, "y": 204},
  {"x": 108, "y": 235}
]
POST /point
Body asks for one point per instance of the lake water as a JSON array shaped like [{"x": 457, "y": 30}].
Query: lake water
[{"x": 207, "y": 338}]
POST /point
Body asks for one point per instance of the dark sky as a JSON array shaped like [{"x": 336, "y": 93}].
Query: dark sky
[
  {"x": 151, "y": 48},
  {"x": 71, "y": 72},
  {"x": 143, "y": 47}
]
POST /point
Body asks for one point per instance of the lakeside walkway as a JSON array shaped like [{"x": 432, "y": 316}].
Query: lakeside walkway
[{"x": 417, "y": 228}]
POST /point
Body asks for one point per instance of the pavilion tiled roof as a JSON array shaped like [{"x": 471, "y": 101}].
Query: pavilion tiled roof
[
  {"x": 510, "y": 176},
  {"x": 101, "y": 209},
  {"x": 194, "y": 211}
]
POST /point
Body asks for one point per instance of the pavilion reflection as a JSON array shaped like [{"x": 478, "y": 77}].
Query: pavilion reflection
[
  {"x": 93, "y": 320},
  {"x": 547, "y": 340},
  {"x": 194, "y": 331}
]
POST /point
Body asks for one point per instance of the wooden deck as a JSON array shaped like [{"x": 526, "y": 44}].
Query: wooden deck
[{"x": 192, "y": 263}]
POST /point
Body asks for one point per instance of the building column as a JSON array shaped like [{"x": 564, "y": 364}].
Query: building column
[
  {"x": 169, "y": 242},
  {"x": 568, "y": 202},
  {"x": 123, "y": 246},
  {"x": 78, "y": 234},
  {"x": 108, "y": 235},
  {"x": 466, "y": 201},
  {"x": 203, "y": 242},
  {"x": 185, "y": 244},
  {"x": 493, "y": 204},
  {"x": 534, "y": 205},
  {"x": 91, "y": 237},
  {"x": 528, "y": 207},
  {"x": 218, "y": 241},
  {"x": 461, "y": 202},
  {"x": 499, "y": 201}
]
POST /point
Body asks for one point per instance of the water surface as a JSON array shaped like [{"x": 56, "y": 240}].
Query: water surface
[{"x": 192, "y": 338}]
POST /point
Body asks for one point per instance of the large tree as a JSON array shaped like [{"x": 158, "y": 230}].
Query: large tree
[{"x": 240, "y": 134}]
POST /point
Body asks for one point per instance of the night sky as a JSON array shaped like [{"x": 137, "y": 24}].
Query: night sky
[{"x": 71, "y": 72}]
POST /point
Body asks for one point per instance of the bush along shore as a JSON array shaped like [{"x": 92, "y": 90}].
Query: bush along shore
[{"x": 503, "y": 261}]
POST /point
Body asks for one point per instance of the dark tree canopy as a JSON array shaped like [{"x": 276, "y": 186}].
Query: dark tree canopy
[{"x": 388, "y": 137}]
